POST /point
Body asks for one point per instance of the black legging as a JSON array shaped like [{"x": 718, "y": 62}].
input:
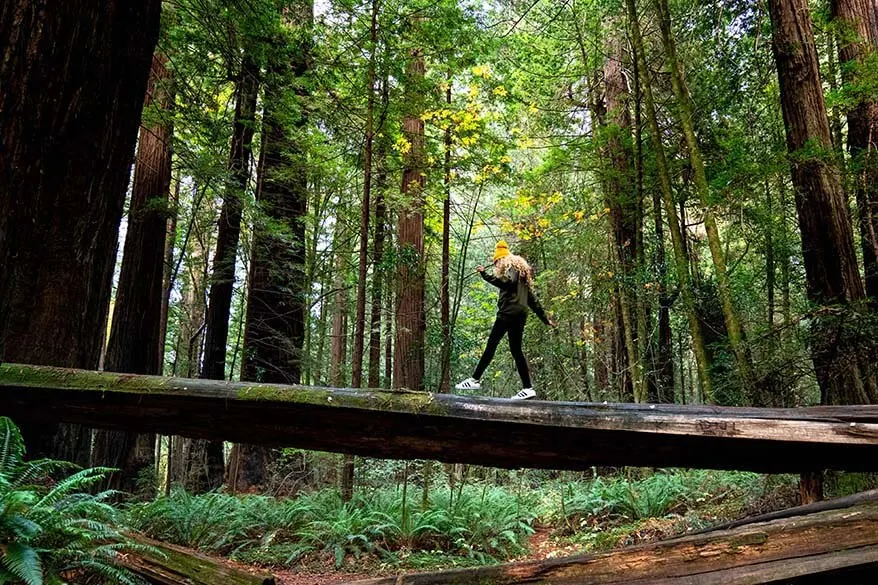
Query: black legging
[{"x": 515, "y": 327}]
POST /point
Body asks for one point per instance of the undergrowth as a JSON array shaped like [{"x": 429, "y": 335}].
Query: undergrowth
[
  {"x": 476, "y": 524},
  {"x": 479, "y": 525}
]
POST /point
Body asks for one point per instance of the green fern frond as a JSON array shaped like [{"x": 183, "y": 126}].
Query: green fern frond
[
  {"x": 80, "y": 481},
  {"x": 23, "y": 562},
  {"x": 40, "y": 468},
  {"x": 11, "y": 446}
]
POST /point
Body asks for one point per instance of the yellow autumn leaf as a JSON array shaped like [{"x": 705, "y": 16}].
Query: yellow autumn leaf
[{"x": 482, "y": 71}]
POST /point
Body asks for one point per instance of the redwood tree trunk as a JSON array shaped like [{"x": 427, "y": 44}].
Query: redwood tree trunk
[
  {"x": 833, "y": 279},
  {"x": 408, "y": 358},
  {"x": 134, "y": 337},
  {"x": 614, "y": 122},
  {"x": 74, "y": 76},
  {"x": 858, "y": 37},
  {"x": 205, "y": 458},
  {"x": 275, "y": 330}
]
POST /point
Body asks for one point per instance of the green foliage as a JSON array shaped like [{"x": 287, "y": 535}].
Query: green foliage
[
  {"x": 479, "y": 523},
  {"x": 49, "y": 529},
  {"x": 652, "y": 497}
]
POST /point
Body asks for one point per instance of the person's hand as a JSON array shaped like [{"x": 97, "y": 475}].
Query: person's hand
[{"x": 480, "y": 268}]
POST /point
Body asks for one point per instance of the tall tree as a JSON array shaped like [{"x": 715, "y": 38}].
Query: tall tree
[
  {"x": 205, "y": 461},
  {"x": 408, "y": 358},
  {"x": 360, "y": 318},
  {"x": 681, "y": 259},
  {"x": 685, "y": 117},
  {"x": 274, "y": 332},
  {"x": 614, "y": 132},
  {"x": 857, "y": 33},
  {"x": 74, "y": 77},
  {"x": 134, "y": 336},
  {"x": 362, "y": 266},
  {"x": 833, "y": 280}
]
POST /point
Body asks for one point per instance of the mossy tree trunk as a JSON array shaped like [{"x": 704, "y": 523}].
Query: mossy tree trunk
[
  {"x": 685, "y": 117},
  {"x": 681, "y": 259},
  {"x": 857, "y": 33},
  {"x": 275, "y": 328}
]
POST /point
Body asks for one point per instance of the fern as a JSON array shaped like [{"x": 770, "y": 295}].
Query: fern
[
  {"x": 46, "y": 532},
  {"x": 23, "y": 562}
]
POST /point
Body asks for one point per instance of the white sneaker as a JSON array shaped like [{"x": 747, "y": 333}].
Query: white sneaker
[
  {"x": 525, "y": 394},
  {"x": 469, "y": 384}
]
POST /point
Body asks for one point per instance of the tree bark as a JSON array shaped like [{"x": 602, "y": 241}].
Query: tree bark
[
  {"x": 380, "y": 280},
  {"x": 408, "y": 358},
  {"x": 223, "y": 276},
  {"x": 378, "y": 283},
  {"x": 833, "y": 280},
  {"x": 444, "y": 285},
  {"x": 662, "y": 378},
  {"x": 681, "y": 260},
  {"x": 170, "y": 242},
  {"x": 347, "y": 477},
  {"x": 858, "y": 38},
  {"x": 339, "y": 333},
  {"x": 275, "y": 329},
  {"x": 360, "y": 316},
  {"x": 338, "y": 356},
  {"x": 133, "y": 346},
  {"x": 74, "y": 78}
]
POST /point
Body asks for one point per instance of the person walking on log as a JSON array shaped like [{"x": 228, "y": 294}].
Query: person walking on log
[{"x": 514, "y": 277}]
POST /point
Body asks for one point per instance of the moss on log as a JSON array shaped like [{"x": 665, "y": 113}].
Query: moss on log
[
  {"x": 486, "y": 431},
  {"x": 179, "y": 566}
]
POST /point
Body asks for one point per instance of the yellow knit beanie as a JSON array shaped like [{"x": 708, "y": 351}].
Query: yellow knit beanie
[{"x": 501, "y": 250}]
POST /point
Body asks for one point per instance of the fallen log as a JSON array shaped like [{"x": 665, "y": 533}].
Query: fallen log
[
  {"x": 422, "y": 425},
  {"x": 179, "y": 566},
  {"x": 831, "y": 542}
]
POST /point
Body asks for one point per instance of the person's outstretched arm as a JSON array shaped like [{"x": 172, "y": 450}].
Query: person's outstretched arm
[{"x": 537, "y": 308}]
